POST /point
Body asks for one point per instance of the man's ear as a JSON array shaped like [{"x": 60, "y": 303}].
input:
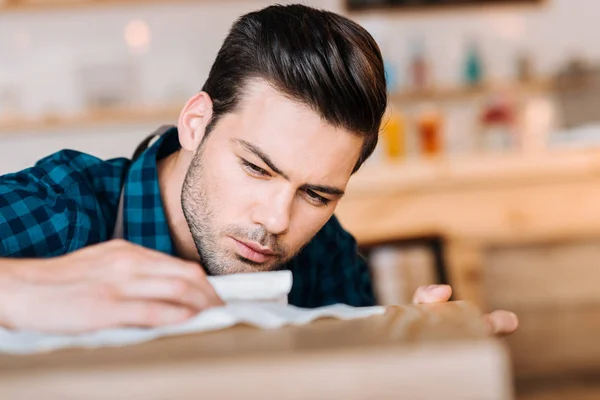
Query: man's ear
[{"x": 193, "y": 120}]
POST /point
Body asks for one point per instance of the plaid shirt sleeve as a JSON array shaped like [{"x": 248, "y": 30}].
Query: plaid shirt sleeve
[
  {"x": 54, "y": 207},
  {"x": 330, "y": 270}
]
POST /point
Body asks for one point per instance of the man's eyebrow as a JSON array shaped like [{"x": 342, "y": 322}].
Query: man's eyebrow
[
  {"x": 332, "y": 190},
  {"x": 260, "y": 154}
]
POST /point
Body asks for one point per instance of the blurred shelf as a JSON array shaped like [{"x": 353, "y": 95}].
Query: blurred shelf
[
  {"x": 503, "y": 198},
  {"x": 443, "y": 7},
  {"x": 92, "y": 118},
  {"x": 139, "y": 115},
  {"x": 49, "y": 5},
  {"x": 467, "y": 92},
  {"x": 481, "y": 171}
]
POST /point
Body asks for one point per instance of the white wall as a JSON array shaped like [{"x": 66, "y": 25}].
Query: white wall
[
  {"x": 19, "y": 151},
  {"x": 40, "y": 53}
]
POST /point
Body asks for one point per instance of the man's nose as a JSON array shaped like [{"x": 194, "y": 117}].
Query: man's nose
[{"x": 275, "y": 212}]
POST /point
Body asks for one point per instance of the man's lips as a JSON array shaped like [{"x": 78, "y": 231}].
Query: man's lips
[{"x": 253, "y": 251}]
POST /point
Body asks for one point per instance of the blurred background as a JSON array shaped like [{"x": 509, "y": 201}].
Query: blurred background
[{"x": 487, "y": 174}]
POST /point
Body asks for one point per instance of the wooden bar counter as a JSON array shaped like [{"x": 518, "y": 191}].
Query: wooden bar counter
[{"x": 410, "y": 352}]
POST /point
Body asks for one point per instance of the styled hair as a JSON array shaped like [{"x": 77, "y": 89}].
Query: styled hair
[{"x": 318, "y": 58}]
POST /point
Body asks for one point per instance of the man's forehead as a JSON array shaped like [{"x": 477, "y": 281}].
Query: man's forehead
[
  {"x": 292, "y": 132},
  {"x": 262, "y": 106}
]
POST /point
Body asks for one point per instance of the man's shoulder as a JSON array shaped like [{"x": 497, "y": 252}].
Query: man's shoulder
[
  {"x": 67, "y": 166},
  {"x": 66, "y": 169},
  {"x": 71, "y": 172},
  {"x": 65, "y": 201},
  {"x": 94, "y": 184}
]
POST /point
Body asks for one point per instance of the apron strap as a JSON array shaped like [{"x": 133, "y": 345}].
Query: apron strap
[
  {"x": 143, "y": 146},
  {"x": 118, "y": 232}
]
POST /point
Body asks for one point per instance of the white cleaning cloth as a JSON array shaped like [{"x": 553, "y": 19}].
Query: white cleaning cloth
[
  {"x": 255, "y": 299},
  {"x": 257, "y": 286}
]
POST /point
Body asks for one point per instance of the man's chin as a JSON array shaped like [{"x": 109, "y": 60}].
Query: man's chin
[{"x": 242, "y": 266}]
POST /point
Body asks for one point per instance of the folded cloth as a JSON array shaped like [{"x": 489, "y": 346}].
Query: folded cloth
[
  {"x": 271, "y": 286},
  {"x": 257, "y": 299}
]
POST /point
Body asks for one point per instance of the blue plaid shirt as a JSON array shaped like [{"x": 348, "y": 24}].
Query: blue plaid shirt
[{"x": 69, "y": 200}]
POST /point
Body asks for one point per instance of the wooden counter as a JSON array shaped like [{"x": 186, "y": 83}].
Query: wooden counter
[{"x": 426, "y": 352}]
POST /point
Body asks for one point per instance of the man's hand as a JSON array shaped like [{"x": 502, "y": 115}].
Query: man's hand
[
  {"x": 499, "y": 322},
  {"x": 112, "y": 284}
]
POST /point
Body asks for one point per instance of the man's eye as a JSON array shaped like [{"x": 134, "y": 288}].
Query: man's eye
[
  {"x": 253, "y": 169},
  {"x": 316, "y": 199}
]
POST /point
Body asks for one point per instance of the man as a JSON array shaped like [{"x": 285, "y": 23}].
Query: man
[{"x": 247, "y": 181}]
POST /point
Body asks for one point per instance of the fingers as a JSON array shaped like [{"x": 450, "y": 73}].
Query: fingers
[
  {"x": 173, "y": 290},
  {"x": 149, "y": 314},
  {"x": 138, "y": 260},
  {"x": 501, "y": 322},
  {"x": 171, "y": 267},
  {"x": 165, "y": 267},
  {"x": 432, "y": 294}
]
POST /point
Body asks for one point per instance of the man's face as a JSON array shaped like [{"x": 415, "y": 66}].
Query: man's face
[{"x": 267, "y": 178}]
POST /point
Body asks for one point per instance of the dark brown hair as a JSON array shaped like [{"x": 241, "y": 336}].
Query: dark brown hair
[{"x": 316, "y": 57}]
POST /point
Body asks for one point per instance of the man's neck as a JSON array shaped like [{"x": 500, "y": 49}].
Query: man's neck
[{"x": 171, "y": 174}]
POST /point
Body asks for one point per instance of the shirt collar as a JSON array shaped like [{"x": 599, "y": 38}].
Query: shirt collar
[{"x": 144, "y": 219}]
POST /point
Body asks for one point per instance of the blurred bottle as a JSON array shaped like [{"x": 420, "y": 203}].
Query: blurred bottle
[
  {"x": 10, "y": 102},
  {"x": 391, "y": 76},
  {"x": 473, "y": 69},
  {"x": 419, "y": 67},
  {"x": 429, "y": 128},
  {"x": 539, "y": 120},
  {"x": 497, "y": 126},
  {"x": 394, "y": 136},
  {"x": 525, "y": 67}
]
